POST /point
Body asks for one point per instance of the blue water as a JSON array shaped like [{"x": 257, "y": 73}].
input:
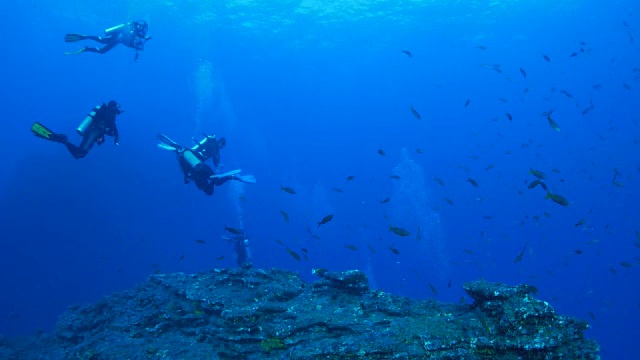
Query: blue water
[{"x": 306, "y": 93}]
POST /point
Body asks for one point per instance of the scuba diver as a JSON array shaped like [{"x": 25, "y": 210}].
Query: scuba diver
[
  {"x": 101, "y": 121},
  {"x": 192, "y": 162},
  {"x": 131, "y": 34},
  {"x": 240, "y": 244}
]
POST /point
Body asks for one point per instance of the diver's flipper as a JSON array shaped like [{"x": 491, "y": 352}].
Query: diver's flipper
[
  {"x": 250, "y": 179},
  {"x": 167, "y": 143},
  {"x": 74, "y": 37},
  {"x": 41, "y": 131},
  {"x": 76, "y": 52},
  {"x": 230, "y": 173}
]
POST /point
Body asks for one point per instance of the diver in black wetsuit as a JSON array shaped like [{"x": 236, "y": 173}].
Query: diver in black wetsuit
[
  {"x": 192, "y": 162},
  {"x": 131, "y": 34},
  {"x": 101, "y": 121}
]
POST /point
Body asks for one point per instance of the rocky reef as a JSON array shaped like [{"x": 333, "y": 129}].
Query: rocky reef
[{"x": 248, "y": 313}]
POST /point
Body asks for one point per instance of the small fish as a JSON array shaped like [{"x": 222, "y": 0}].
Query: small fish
[
  {"x": 537, "y": 173},
  {"x": 419, "y": 150},
  {"x": 481, "y": 47},
  {"x": 488, "y": 217},
  {"x": 439, "y": 181},
  {"x": 591, "y": 315},
  {"x": 449, "y": 284},
  {"x": 338, "y": 190},
  {"x": 567, "y": 94},
  {"x": 588, "y": 109},
  {"x": 524, "y": 73},
  {"x": 433, "y": 289},
  {"x": 385, "y": 201},
  {"x": 625, "y": 264},
  {"x": 351, "y": 247},
  {"x": 578, "y": 251},
  {"x": 509, "y": 116},
  {"x": 449, "y": 201},
  {"x": 350, "y": 177},
  {"x": 234, "y": 231},
  {"x": 468, "y": 251},
  {"x": 288, "y": 190},
  {"x": 294, "y": 254},
  {"x": 319, "y": 271},
  {"x": 395, "y": 177},
  {"x": 626, "y": 86},
  {"x": 181, "y": 257},
  {"x": 546, "y": 58},
  {"x": 472, "y": 182},
  {"x": 325, "y": 220},
  {"x": 398, "y": 231},
  {"x": 381, "y": 152},
  {"x": 467, "y": 102},
  {"x": 573, "y": 54},
  {"x": 220, "y": 258},
  {"x": 618, "y": 184},
  {"x": 554, "y": 125},
  {"x": 408, "y": 53},
  {"x": 534, "y": 183},
  {"x": 371, "y": 248},
  {"x": 520, "y": 256},
  {"x": 596, "y": 86},
  {"x": 558, "y": 199},
  {"x": 394, "y": 250},
  {"x": 415, "y": 113},
  {"x": 490, "y": 166},
  {"x": 285, "y": 216},
  {"x": 280, "y": 242},
  {"x": 201, "y": 242}
]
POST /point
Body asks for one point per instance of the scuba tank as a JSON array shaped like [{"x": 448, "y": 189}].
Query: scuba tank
[
  {"x": 191, "y": 158},
  {"x": 116, "y": 29},
  {"x": 88, "y": 120}
]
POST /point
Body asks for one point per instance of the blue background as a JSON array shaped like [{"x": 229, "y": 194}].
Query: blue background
[{"x": 306, "y": 92}]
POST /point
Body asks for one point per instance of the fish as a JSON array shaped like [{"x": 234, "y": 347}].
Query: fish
[
  {"x": 201, "y": 242},
  {"x": 408, "y": 53},
  {"x": 394, "y": 250},
  {"x": 466, "y": 103},
  {"x": 439, "y": 181},
  {"x": 433, "y": 289},
  {"x": 220, "y": 258},
  {"x": 558, "y": 199},
  {"x": 520, "y": 256},
  {"x": 395, "y": 177},
  {"x": 592, "y": 315},
  {"x": 472, "y": 182},
  {"x": 524, "y": 73},
  {"x": 625, "y": 264},
  {"x": 350, "y": 177},
  {"x": 294, "y": 254},
  {"x": 288, "y": 190},
  {"x": 626, "y": 86},
  {"x": 567, "y": 94},
  {"x": 371, "y": 248},
  {"x": 573, "y": 54},
  {"x": 490, "y": 166},
  {"x": 181, "y": 257},
  {"x": 325, "y": 220},
  {"x": 399, "y": 231},
  {"x": 449, "y": 201},
  {"x": 449, "y": 284},
  {"x": 415, "y": 112},
  {"x": 546, "y": 58},
  {"x": 481, "y": 47},
  {"x": 419, "y": 150},
  {"x": 338, "y": 190},
  {"x": 319, "y": 271},
  {"x": 351, "y": 247},
  {"x": 234, "y": 231},
  {"x": 385, "y": 201},
  {"x": 381, "y": 152},
  {"x": 468, "y": 251},
  {"x": 280, "y": 242},
  {"x": 588, "y": 109},
  {"x": 509, "y": 116},
  {"x": 535, "y": 183},
  {"x": 537, "y": 173},
  {"x": 285, "y": 216},
  {"x": 554, "y": 125},
  {"x": 578, "y": 251},
  {"x": 488, "y": 217},
  {"x": 596, "y": 86}
]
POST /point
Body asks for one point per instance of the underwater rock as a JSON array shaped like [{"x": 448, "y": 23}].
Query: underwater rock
[{"x": 250, "y": 313}]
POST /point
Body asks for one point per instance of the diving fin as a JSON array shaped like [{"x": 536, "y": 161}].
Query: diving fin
[
  {"x": 167, "y": 143},
  {"x": 76, "y": 52},
  {"x": 249, "y": 179},
  {"x": 41, "y": 131},
  {"x": 73, "y": 37},
  {"x": 230, "y": 173}
]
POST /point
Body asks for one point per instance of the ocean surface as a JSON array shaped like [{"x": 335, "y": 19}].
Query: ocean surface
[{"x": 427, "y": 116}]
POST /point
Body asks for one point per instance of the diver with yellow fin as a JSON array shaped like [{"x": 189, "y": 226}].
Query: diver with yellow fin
[
  {"x": 192, "y": 162},
  {"x": 131, "y": 34},
  {"x": 101, "y": 121}
]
